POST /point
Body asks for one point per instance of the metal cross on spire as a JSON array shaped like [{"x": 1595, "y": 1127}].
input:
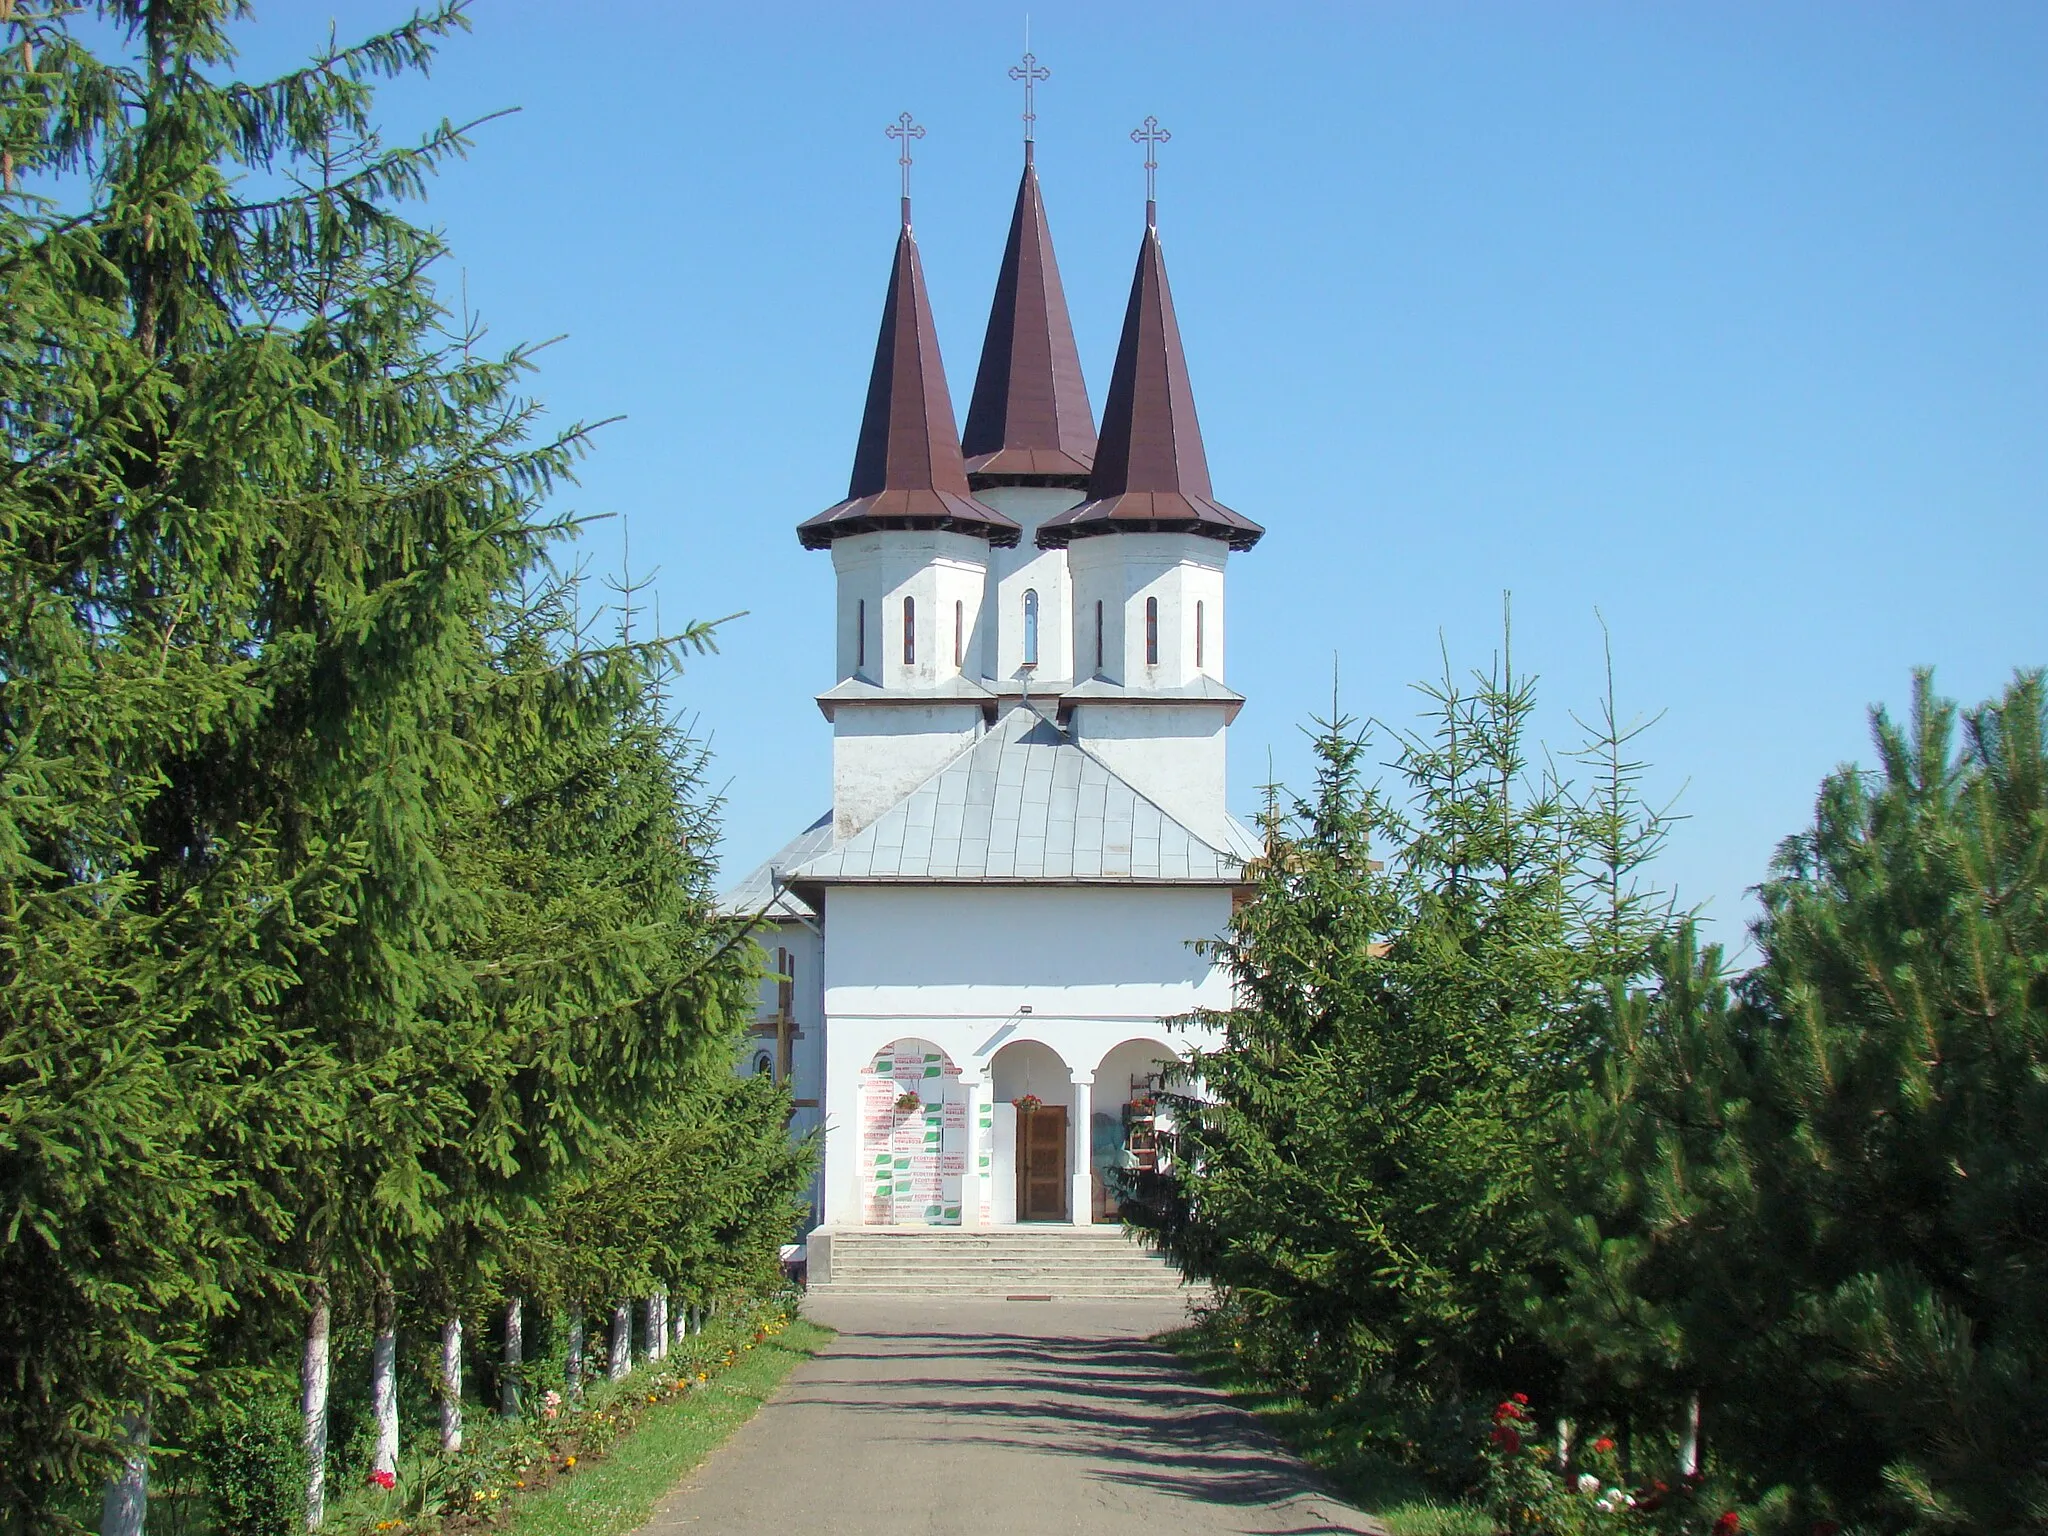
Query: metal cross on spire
[
  {"x": 1151, "y": 135},
  {"x": 1030, "y": 72},
  {"x": 904, "y": 130}
]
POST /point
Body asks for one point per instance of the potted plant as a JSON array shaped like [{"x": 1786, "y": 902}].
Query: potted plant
[
  {"x": 908, "y": 1103},
  {"x": 1026, "y": 1103}
]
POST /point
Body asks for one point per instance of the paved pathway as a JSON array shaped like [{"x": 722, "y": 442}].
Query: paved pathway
[{"x": 989, "y": 1418}]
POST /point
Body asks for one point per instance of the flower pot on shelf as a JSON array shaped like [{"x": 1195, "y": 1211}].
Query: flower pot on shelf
[{"x": 1025, "y": 1104}]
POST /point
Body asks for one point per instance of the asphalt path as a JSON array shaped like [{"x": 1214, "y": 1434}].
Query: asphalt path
[{"x": 989, "y": 1418}]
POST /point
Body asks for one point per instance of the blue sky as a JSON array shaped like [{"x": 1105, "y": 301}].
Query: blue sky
[{"x": 1728, "y": 323}]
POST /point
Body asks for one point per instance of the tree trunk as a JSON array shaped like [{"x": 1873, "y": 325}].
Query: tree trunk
[
  {"x": 126, "y": 1502},
  {"x": 313, "y": 1405},
  {"x": 384, "y": 1379},
  {"x": 572, "y": 1363},
  {"x": 1689, "y": 1439},
  {"x": 1564, "y": 1449},
  {"x": 679, "y": 1326},
  {"x": 514, "y": 1358},
  {"x": 657, "y": 1325},
  {"x": 451, "y": 1385},
  {"x": 622, "y": 1340}
]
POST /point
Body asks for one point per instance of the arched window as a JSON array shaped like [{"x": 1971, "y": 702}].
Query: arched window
[
  {"x": 764, "y": 1064},
  {"x": 1098, "y": 635},
  {"x": 909, "y": 632},
  {"x": 1151, "y": 631},
  {"x": 1198, "y": 637},
  {"x": 1030, "y": 629},
  {"x": 959, "y": 633},
  {"x": 860, "y": 633}
]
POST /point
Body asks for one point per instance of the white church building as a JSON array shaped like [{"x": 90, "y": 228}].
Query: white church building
[{"x": 978, "y": 947}]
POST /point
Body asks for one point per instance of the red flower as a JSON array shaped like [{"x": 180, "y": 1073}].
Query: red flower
[
  {"x": 1603, "y": 1445},
  {"x": 1508, "y": 1440},
  {"x": 384, "y": 1479},
  {"x": 1521, "y": 1397},
  {"x": 1728, "y": 1524}
]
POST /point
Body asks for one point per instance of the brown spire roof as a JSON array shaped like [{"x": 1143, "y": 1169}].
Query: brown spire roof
[
  {"x": 1029, "y": 422},
  {"x": 907, "y": 470},
  {"x": 1150, "y": 474}
]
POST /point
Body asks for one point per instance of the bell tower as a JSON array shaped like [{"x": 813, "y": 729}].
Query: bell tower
[
  {"x": 910, "y": 547},
  {"x": 1146, "y": 551}
]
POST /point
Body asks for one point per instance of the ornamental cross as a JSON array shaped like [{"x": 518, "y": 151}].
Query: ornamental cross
[
  {"x": 1151, "y": 135},
  {"x": 904, "y": 129},
  {"x": 1030, "y": 72}
]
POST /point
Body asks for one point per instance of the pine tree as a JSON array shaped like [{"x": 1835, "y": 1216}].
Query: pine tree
[
  {"x": 265, "y": 520},
  {"x": 1356, "y": 1162}
]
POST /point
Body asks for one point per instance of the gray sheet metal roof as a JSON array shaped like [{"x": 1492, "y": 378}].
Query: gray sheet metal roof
[
  {"x": 757, "y": 891},
  {"x": 1025, "y": 802}
]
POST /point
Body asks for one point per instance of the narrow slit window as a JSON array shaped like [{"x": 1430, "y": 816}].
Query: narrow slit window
[
  {"x": 1030, "y": 629},
  {"x": 959, "y": 633},
  {"x": 910, "y": 631},
  {"x": 1098, "y": 635},
  {"x": 860, "y": 633},
  {"x": 1198, "y": 637},
  {"x": 1151, "y": 631}
]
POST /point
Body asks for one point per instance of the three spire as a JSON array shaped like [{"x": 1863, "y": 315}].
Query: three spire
[{"x": 1028, "y": 420}]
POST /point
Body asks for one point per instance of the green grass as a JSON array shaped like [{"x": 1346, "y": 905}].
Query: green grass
[
  {"x": 1328, "y": 1441},
  {"x": 615, "y": 1495}
]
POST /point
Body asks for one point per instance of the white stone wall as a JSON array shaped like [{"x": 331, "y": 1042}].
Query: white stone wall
[
  {"x": 957, "y": 965},
  {"x": 881, "y": 752},
  {"x": 945, "y": 575},
  {"x": 1182, "y": 572},
  {"x": 1013, "y": 572}
]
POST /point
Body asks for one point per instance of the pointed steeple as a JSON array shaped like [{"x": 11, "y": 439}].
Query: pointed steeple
[
  {"x": 1029, "y": 422},
  {"x": 907, "y": 469},
  {"x": 1150, "y": 474}
]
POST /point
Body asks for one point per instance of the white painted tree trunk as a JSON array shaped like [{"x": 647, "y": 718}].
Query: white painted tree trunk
[
  {"x": 572, "y": 1363},
  {"x": 125, "y": 1504},
  {"x": 451, "y": 1385},
  {"x": 680, "y": 1326},
  {"x": 622, "y": 1340},
  {"x": 1564, "y": 1447},
  {"x": 1689, "y": 1439},
  {"x": 657, "y": 1325},
  {"x": 384, "y": 1381},
  {"x": 514, "y": 1358},
  {"x": 313, "y": 1405}
]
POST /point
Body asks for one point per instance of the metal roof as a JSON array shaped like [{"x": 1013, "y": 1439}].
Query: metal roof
[
  {"x": 1026, "y": 803},
  {"x": 907, "y": 469},
  {"x": 757, "y": 892},
  {"x": 1028, "y": 421},
  {"x": 1151, "y": 474}
]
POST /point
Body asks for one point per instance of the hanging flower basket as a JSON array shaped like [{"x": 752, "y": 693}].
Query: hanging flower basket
[
  {"x": 1144, "y": 1105},
  {"x": 1027, "y": 1103},
  {"x": 908, "y": 1103}
]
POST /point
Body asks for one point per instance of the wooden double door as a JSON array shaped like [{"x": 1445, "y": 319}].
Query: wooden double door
[{"x": 1042, "y": 1184}]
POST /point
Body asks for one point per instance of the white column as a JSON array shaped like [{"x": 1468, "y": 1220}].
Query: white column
[
  {"x": 1081, "y": 1202},
  {"x": 970, "y": 1181}
]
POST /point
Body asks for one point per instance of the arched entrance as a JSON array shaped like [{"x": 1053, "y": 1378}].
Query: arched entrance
[
  {"x": 913, "y": 1134},
  {"x": 1123, "y": 1139},
  {"x": 1033, "y": 1093}
]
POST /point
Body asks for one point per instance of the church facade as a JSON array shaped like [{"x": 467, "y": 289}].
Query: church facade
[{"x": 976, "y": 951}]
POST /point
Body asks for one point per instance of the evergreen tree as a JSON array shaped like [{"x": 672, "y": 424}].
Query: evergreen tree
[
  {"x": 1822, "y": 1207},
  {"x": 1356, "y": 1161},
  {"x": 346, "y": 898}
]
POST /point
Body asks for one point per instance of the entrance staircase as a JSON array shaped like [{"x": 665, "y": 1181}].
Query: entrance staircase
[{"x": 1035, "y": 1263}]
